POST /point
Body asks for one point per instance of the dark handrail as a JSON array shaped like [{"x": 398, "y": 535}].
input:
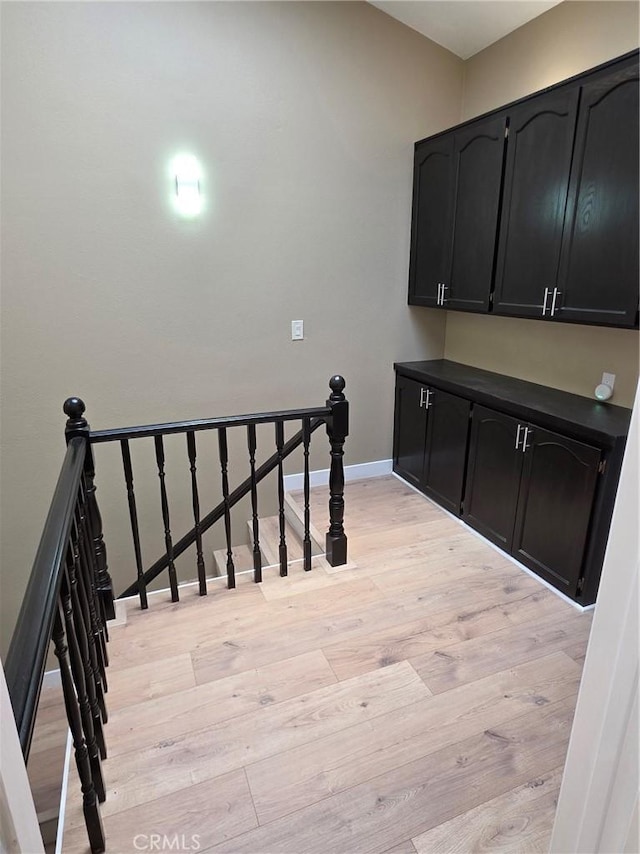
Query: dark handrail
[
  {"x": 206, "y": 424},
  {"x": 29, "y": 647},
  {"x": 238, "y": 493}
]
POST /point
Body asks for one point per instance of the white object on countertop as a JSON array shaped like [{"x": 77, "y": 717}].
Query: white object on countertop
[{"x": 603, "y": 392}]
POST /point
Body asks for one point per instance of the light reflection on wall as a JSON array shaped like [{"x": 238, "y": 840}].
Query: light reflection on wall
[{"x": 186, "y": 178}]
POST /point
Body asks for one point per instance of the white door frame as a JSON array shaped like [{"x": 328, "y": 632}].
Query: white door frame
[
  {"x": 19, "y": 828},
  {"x": 598, "y": 804}
]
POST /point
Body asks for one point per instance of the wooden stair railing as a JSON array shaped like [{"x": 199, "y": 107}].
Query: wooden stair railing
[
  {"x": 69, "y": 596},
  {"x": 61, "y": 604},
  {"x": 334, "y": 415}
]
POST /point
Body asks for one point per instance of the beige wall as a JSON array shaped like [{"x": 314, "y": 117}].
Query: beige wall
[
  {"x": 566, "y": 40},
  {"x": 303, "y": 116}
]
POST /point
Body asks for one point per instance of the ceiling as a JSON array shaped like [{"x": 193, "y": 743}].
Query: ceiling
[{"x": 464, "y": 26}]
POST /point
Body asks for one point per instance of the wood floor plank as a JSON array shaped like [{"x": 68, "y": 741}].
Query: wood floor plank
[
  {"x": 177, "y": 763},
  {"x": 474, "y": 609},
  {"x": 381, "y": 813},
  {"x": 190, "y": 820},
  {"x": 146, "y": 643},
  {"x": 518, "y": 822},
  {"x": 409, "y": 640},
  {"x": 235, "y": 652},
  {"x": 287, "y": 782},
  {"x": 144, "y": 724},
  {"x": 436, "y": 566},
  {"x": 404, "y": 848},
  {"x": 148, "y": 681},
  {"x": 539, "y": 606},
  {"x": 454, "y": 665}
]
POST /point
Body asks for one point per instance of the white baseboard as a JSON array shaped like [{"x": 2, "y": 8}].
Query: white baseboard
[
  {"x": 530, "y": 572},
  {"x": 52, "y": 679},
  {"x": 359, "y": 471}
]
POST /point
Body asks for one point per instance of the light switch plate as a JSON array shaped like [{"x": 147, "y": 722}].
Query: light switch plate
[
  {"x": 297, "y": 330},
  {"x": 609, "y": 379}
]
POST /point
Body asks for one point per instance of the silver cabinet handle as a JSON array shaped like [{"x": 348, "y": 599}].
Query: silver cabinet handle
[
  {"x": 438, "y": 297},
  {"x": 547, "y": 291},
  {"x": 443, "y": 297},
  {"x": 518, "y": 436},
  {"x": 526, "y": 447},
  {"x": 556, "y": 294},
  {"x": 422, "y": 396},
  {"x": 427, "y": 402}
]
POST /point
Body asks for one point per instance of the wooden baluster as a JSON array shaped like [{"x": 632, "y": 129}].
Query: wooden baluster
[
  {"x": 224, "y": 463},
  {"x": 90, "y": 805},
  {"x": 78, "y": 649},
  {"x": 92, "y": 674},
  {"x": 306, "y": 542},
  {"x": 257, "y": 559},
  {"x": 281, "y": 518},
  {"x": 77, "y": 425},
  {"x": 87, "y": 563},
  {"x": 173, "y": 580},
  {"x": 337, "y": 430},
  {"x": 191, "y": 450},
  {"x": 133, "y": 516}
]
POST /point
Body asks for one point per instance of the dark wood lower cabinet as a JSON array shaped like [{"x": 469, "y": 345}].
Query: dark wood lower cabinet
[
  {"x": 493, "y": 476},
  {"x": 554, "y": 506},
  {"x": 446, "y": 448},
  {"x": 410, "y": 430},
  {"x": 430, "y": 440},
  {"x": 540, "y": 494}
]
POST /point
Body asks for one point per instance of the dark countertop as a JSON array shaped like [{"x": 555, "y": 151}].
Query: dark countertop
[{"x": 551, "y": 408}]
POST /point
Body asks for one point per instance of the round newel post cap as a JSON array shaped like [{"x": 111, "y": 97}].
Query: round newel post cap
[
  {"x": 74, "y": 409},
  {"x": 337, "y": 384}
]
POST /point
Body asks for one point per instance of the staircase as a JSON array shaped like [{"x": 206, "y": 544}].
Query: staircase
[{"x": 270, "y": 540}]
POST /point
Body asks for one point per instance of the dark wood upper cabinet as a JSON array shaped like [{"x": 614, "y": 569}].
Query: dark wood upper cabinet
[
  {"x": 446, "y": 448},
  {"x": 431, "y": 219},
  {"x": 410, "y": 430},
  {"x": 478, "y": 159},
  {"x": 598, "y": 280},
  {"x": 544, "y": 223},
  {"x": 541, "y": 135},
  {"x": 493, "y": 475},
  {"x": 554, "y": 506}
]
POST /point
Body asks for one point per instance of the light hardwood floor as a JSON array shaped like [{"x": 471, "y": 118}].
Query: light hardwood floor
[{"x": 418, "y": 700}]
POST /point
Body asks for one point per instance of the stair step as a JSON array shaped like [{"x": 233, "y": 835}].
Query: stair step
[
  {"x": 270, "y": 541},
  {"x": 242, "y": 560},
  {"x": 294, "y": 514}
]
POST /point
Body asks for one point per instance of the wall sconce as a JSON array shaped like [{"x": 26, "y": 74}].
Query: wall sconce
[{"x": 186, "y": 173}]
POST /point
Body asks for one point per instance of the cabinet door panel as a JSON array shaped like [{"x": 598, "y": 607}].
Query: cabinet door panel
[
  {"x": 410, "y": 431},
  {"x": 478, "y": 156},
  {"x": 446, "y": 449},
  {"x": 599, "y": 264},
  {"x": 541, "y": 134},
  {"x": 431, "y": 219},
  {"x": 493, "y": 476},
  {"x": 554, "y": 507}
]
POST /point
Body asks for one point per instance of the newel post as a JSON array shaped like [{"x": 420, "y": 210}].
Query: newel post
[
  {"x": 77, "y": 425},
  {"x": 337, "y": 431}
]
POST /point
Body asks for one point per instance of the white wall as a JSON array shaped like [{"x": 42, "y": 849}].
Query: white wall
[{"x": 304, "y": 116}]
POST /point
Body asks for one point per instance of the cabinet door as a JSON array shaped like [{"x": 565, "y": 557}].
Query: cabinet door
[
  {"x": 410, "y": 430},
  {"x": 446, "y": 449},
  {"x": 541, "y": 134},
  {"x": 478, "y": 157},
  {"x": 599, "y": 263},
  {"x": 554, "y": 507},
  {"x": 431, "y": 219},
  {"x": 493, "y": 476}
]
